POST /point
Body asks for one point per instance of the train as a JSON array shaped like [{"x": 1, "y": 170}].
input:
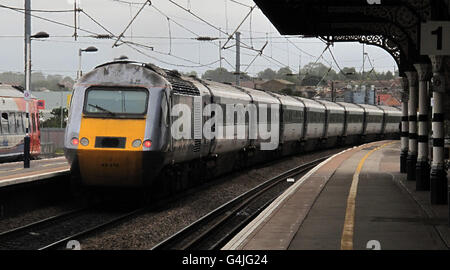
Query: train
[
  {"x": 13, "y": 123},
  {"x": 136, "y": 125}
]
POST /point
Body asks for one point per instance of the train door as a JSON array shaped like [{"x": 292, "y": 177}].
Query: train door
[{"x": 35, "y": 134}]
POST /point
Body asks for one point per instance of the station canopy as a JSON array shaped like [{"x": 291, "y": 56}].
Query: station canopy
[{"x": 393, "y": 25}]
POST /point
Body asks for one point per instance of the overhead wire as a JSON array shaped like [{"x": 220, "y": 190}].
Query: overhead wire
[{"x": 171, "y": 38}]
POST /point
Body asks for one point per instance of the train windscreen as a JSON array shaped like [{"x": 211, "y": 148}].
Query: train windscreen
[{"x": 113, "y": 101}]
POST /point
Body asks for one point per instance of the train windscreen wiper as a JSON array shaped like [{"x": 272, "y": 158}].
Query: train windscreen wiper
[{"x": 102, "y": 109}]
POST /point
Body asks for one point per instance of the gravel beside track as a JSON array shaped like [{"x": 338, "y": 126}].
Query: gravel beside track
[
  {"x": 22, "y": 219},
  {"x": 148, "y": 229}
]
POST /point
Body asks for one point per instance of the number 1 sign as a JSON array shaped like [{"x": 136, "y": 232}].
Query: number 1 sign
[{"x": 435, "y": 38}]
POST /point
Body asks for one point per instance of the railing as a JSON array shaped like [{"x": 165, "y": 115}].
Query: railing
[{"x": 52, "y": 140}]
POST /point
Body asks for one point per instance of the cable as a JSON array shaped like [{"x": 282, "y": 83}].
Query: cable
[
  {"x": 337, "y": 65},
  {"x": 52, "y": 21},
  {"x": 132, "y": 20},
  {"x": 37, "y": 10}
]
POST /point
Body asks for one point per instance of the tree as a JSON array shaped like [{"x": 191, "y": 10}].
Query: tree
[
  {"x": 388, "y": 75},
  {"x": 222, "y": 75},
  {"x": 267, "y": 74},
  {"x": 315, "y": 69},
  {"x": 219, "y": 75},
  {"x": 348, "y": 74},
  {"x": 39, "y": 80},
  {"x": 187, "y": 74},
  {"x": 311, "y": 80},
  {"x": 55, "y": 120}
]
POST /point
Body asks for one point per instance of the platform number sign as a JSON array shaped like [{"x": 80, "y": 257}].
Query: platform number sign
[{"x": 435, "y": 38}]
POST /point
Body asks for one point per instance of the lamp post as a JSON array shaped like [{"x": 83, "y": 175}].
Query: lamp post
[
  {"x": 27, "y": 92},
  {"x": 80, "y": 51}
]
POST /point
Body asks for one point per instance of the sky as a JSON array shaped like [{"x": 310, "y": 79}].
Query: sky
[{"x": 166, "y": 32}]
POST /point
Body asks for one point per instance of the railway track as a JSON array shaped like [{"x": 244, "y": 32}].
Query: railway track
[
  {"x": 215, "y": 229},
  {"x": 56, "y": 231}
]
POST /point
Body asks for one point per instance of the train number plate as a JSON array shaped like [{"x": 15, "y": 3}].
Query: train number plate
[{"x": 110, "y": 165}]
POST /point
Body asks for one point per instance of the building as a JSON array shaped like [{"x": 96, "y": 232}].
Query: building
[
  {"x": 306, "y": 91},
  {"x": 388, "y": 100},
  {"x": 253, "y": 84},
  {"x": 277, "y": 85}
]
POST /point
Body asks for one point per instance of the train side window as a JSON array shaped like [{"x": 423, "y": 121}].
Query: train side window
[
  {"x": 12, "y": 123},
  {"x": 19, "y": 123},
  {"x": 165, "y": 114},
  {"x": 5, "y": 123},
  {"x": 24, "y": 121}
]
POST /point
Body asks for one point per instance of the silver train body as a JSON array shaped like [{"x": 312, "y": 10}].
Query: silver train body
[{"x": 109, "y": 146}]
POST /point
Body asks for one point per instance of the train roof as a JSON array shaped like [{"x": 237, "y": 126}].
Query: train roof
[
  {"x": 389, "y": 109},
  {"x": 226, "y": 91},
  {"x": 312, "y": 104},
  {"x": 13, "y": 91},
  {"x": 351, "y": 107},
  {"x": 332, "y": 106},
  {"x": 371, "y": 109},
  {"x": 261, "y": 96},
  {"x": 290, "y": 101}
]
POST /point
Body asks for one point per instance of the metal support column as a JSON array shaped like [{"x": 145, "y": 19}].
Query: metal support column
[
  {"x": 423, "y": 166},
  {"x": 27, "y": 139},
  {"x": 405, "y": 125},
  {"x": 438, "y": 176},
  {"x": 411, "y": 160},
  {"x": 238, "y": 58}
]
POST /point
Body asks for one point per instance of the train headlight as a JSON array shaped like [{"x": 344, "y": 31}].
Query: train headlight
[
  {"x": 75, "y": 141},
  {"x": 84, "y": 142},
  {"x": 136, "y": 143},
  {"x": 147, "y": 143}
]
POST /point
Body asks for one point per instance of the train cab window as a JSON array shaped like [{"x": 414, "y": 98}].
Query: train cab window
[
  {"x": 116, "y": 101},
  {"x": 5, "y": 123},
  {"x": 12, "y": 123}
]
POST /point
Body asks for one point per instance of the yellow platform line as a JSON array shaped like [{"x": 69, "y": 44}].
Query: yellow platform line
[{"x": 349, "y": 224}]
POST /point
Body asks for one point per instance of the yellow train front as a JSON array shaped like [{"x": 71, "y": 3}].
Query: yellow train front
[{"x": 114, "y": 135}]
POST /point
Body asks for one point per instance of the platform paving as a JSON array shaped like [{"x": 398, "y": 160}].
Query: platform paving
[
  {"x": 13, "y": 173},
  {"x": 388, "y": 213}
]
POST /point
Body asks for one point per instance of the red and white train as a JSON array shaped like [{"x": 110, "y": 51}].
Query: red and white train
[{"x": 13, "y": 123}]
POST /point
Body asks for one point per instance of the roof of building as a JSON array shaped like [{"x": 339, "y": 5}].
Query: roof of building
[
  {"x": 280, "y": 81},
  {"x": 388, "y": 100}
]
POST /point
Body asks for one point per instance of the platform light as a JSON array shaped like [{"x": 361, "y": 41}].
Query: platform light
[
  {"x": 147, "y": 143},
  {"x": 75, "y": 141},
  {"x": 84, "y": 142}
]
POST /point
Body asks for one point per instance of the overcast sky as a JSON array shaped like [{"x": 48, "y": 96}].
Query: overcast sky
[{"x": 174, "y": 36}]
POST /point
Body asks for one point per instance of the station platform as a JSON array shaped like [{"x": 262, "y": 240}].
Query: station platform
[
  {"x": 13, "y": 173},
  {"x": 357, "y": 199}
]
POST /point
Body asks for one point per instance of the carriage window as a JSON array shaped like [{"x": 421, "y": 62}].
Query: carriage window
[
  {"x": 19, "y": 123},
  {"x": 12, "y": 123},
  {"x": 116, "y": 101},
  {"x": 5, "y": 123},
  {"x": 24, "y": 123}
]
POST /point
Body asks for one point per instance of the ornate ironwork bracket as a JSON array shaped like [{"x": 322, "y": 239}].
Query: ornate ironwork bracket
[{"x": 376, "y": 40}]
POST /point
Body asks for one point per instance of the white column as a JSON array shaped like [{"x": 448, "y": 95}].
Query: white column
[
  {"x": 422, "y": 166},
  {"x": 438, "y": 176},
  {"x": 405, "y": 125},
  {"x": 412, "y": 108}
]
